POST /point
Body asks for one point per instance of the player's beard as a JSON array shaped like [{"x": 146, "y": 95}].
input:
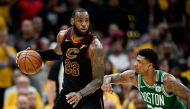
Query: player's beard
[{"x": 79, "y": 33}]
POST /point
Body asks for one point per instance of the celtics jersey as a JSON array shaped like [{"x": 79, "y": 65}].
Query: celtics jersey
[{"x": 155, "y": 96}]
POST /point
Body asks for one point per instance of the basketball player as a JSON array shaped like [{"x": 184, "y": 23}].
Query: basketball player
[
  {"x": 159, "y": 89},
  {"x": 83, "y": 58}
]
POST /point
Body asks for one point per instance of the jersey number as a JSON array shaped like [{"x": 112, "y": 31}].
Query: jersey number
[
  {"x": 71, "y": 68},
  {"x": 150, "y": 107}
]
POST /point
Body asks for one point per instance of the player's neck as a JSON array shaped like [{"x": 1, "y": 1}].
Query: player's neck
[
  {"x": 150, "y": 77},
  {"x": 76, "y": 38}
]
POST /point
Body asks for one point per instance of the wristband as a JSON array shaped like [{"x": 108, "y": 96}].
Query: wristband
[{"x": 80, "y": 94}]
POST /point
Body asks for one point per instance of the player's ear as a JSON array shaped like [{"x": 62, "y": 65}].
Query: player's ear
[
  {"x": 72, "y": 21},
  {"x": 151, "y": 65}
]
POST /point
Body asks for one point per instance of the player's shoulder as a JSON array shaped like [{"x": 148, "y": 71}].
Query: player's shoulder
[
  {"x": 168, "y": 78},
  {"x": 96, "y": 47},
  {"x": 96, "y": 43},
  {"x": 62, "y": 32},
  {"x": 61, "y": 35}
]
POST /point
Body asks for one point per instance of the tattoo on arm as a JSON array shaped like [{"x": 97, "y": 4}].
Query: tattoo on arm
[
  {"x": 117, "y": 78},
  {"x": 126, "y": 76},
  {"x": 172, "y": 85},
  {"x": 60, "y": 39},
  {"x": 97, "y": 59}
]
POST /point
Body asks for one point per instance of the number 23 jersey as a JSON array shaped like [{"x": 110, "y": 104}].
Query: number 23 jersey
[{"x": 77, "y": 64}]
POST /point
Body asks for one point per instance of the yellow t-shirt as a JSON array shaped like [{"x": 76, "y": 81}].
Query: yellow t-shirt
[
  {"x": 163, "y": 4},
  {"x": 6, "y": 72},
  {"x": 115, "y": 97},
  {"x": 186, "y": 74},
  {"x": 3, "y": 25},
  {"x": 12, "y": 100},
  {"x": 12, "y": 107},
  {"x": 142, "y": 46},
  {"x": 47, "y": 107},
  {"x": 5, "y": 9},
  {"x": 131, "y": 105}
]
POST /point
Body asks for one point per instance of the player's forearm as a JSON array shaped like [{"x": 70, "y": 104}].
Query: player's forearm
[
  {"x": 97, "y": 59},
  {"x": 123, "y": 77},
  {"x": 91, "y": 87},
  {"x": 48, "y": 55},
  {"x": 51, "y": 99},
  {"x": 51, "y": 90},
  {"x": 96, "y": 83},
  {"x": 116, "y": 78}
]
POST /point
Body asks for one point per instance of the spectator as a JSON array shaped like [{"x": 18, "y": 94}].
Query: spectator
[
  {"x": 22, "y": 87},
  {"x": 33, "y": 101},
  {"x": 22, "y": 102},
  {"x": 118, "y": 58},
  {"x": 110, "y": 104},
  {"x": 7, "y": 61}
]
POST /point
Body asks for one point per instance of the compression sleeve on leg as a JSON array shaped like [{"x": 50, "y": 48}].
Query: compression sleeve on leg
[{"x": 49, "y": 55}]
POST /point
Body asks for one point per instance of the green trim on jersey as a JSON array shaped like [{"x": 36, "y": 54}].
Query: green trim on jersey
[{"x": 155, "y": 96}]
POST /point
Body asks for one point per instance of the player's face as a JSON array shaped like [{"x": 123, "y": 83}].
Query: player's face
[
  {"x": 141, "y": 64},
  {"x": 81, "y": 23}
]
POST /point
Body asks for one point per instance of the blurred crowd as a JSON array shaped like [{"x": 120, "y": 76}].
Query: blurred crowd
[{"x": 123, "y": 26}]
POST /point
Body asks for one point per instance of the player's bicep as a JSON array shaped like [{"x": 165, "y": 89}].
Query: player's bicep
[
  {"x": 60, "y": 39},
  {"x": 172, "y": 85},
  {"x": 51, "y": 83},
  {"x": 96, "y": 54}
]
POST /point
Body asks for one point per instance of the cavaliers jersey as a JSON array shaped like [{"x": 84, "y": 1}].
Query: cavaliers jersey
[
  {"x": 155, "y": 96},
  {"x": 77, "y": 64}
]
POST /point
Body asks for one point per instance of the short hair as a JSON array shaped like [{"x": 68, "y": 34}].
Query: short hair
[
  {"x": 150, "y": 55},
  {"x": 78, "y": 10}
]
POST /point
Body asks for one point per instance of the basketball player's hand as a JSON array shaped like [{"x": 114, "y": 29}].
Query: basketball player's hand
[
  {"x": 106, "y": 86},
  {"x": 73, "y": 98},
  {"x": 18, "y": 54}
]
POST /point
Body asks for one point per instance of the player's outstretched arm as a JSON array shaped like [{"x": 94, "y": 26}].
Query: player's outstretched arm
[
  {"x": 49, "y": 54},
  {"x": 174, "y": 86},
  {"x": 127, "y": 76},
  {"x": 56, "y": 53},
  {"x": 124, "y": 77}
]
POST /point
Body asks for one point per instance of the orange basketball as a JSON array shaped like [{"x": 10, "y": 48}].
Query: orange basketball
[{"x": 29, "y": 62}]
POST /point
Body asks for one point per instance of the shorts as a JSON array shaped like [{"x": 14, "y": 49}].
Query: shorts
[{"x": 85, "y": 103}]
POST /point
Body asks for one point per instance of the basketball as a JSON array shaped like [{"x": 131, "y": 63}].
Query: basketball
[{"x": 29, "y": 62}]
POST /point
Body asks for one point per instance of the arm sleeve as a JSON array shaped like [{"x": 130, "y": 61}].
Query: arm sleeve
[{"x": 49, "y": 55}]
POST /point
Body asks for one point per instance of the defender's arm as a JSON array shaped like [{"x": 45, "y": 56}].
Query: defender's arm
[
  {"x": 119, "y": 78},
  {"x": 125, "y": 77}
]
